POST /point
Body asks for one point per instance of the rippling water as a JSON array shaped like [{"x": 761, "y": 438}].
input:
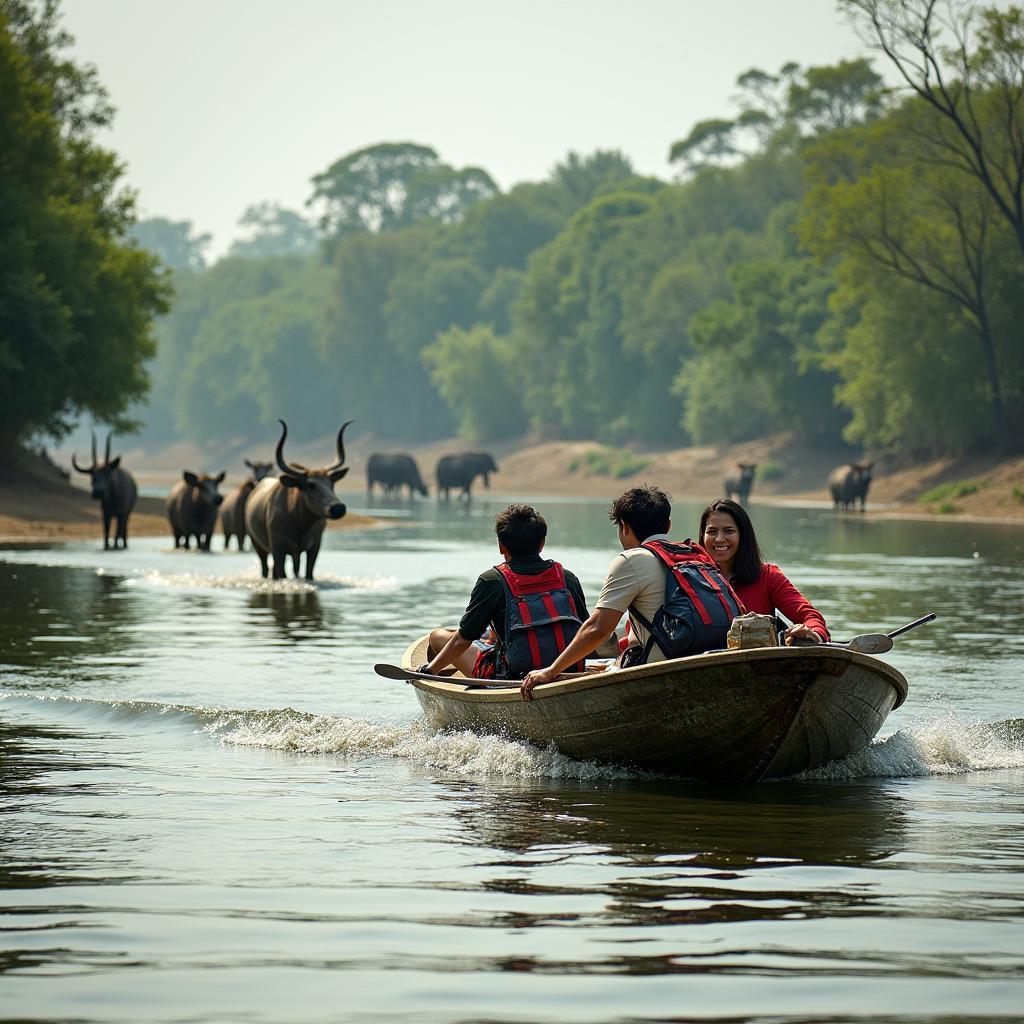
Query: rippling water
[{"x": 212, "y": 810}]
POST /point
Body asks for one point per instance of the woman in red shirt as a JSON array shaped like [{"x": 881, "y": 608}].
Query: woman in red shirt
[{"x": 728, "y": 536}]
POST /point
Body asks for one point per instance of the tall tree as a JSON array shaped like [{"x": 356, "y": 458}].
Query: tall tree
[
  {"x": 175, "y": 242},
  {"x": 392, "y": 185},
  {"x": 977, "y": 93},
  {"x": 274, "y": 231},
  {"x": 76, "y": 298}
]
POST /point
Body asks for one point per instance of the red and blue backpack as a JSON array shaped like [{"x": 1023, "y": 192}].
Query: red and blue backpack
[
  {"x": 699, "y": 605},
  {"x": 540, "y": 622}
]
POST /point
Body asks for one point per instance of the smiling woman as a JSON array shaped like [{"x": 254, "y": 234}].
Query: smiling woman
[{"x": 728, "y": 535}]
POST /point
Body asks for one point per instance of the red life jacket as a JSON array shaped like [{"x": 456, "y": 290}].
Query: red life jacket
[
  {"x": 540, "y": 621},
  {"x": 699, "y": 604}
]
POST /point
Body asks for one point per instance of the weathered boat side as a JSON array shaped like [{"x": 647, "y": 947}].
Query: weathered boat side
[{"x": 746, "y": 715}]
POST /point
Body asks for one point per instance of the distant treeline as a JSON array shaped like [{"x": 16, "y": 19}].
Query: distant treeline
[{"x": 837, "y": 259}]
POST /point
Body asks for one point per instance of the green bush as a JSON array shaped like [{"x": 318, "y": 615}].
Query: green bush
[
  {"x": 947, "y": 508},
  {"x": 614, "y": 462},
  {"x": 958, "y": 489},
  {"x": 771, "y": 470},
  {"x": 1018, "y": 493}
]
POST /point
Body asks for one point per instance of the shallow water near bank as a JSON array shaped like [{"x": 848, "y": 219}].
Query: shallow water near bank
[{"x": 214, "y": 810}]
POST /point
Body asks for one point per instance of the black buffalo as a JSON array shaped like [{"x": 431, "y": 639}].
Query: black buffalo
[
  {"x": 848, "y": 483},
  {"x": 461, "y": 470},
  {"x": 232, "y": 511},
  {"x": 740, "y": 485},
  {"x": 393, "y": 472},
  {"x": 115, "y": 489},
  {"x": 286, "y": 517},
  {"x": 192, "y": 508}
]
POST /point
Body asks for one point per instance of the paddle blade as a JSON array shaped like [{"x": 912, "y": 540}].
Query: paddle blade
[{"x": 870, "y": 643}]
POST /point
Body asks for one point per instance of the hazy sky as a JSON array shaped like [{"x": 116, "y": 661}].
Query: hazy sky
[{"x": 225, "y": 103}]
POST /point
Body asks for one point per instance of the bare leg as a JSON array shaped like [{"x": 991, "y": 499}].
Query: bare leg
[{"x": 464, "y": 662}]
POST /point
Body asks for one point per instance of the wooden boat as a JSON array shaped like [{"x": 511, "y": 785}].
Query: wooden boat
[{"x": 739, "y": 715}]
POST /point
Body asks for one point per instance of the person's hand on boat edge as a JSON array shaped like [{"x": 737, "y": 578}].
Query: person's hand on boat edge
[
  {"x": 536, "y": 678},
  {"x": 800, "y": 634}
]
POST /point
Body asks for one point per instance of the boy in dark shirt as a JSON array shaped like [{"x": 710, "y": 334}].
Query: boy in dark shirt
[{"x": 474, "y": 646}]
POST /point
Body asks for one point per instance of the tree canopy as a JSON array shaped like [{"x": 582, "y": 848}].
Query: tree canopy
[{"x": 77, "y": 297}]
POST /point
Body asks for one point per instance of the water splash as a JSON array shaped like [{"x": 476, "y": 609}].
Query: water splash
[
  {"x": 464, "y": 753},
  {"x": 942, "y": 746}
]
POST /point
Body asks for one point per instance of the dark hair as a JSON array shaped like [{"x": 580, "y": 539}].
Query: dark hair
[
  {"x": 746, "y": 566},
  {"x": 645, "y": 510},
  {"x": 521, "y": 529}
]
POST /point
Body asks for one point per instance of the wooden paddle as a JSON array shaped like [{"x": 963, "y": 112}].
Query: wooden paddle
[
  {"x": 404, "y": 674},
  {"x": 879, "y": 643}
]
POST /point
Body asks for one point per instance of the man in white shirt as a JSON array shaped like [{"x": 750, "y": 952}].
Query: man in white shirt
[{"x": 636, "y": 577}]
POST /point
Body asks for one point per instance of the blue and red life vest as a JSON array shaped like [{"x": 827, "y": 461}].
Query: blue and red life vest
[
  {"x": 699, "y": 605},
  {"x": 540, "y": 622}
]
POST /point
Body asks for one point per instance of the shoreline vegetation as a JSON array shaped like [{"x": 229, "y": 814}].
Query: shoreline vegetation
[{"x": 38, "y": 503}]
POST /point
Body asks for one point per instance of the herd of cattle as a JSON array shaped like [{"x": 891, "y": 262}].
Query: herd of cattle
[{"x": 285, "y": 515}]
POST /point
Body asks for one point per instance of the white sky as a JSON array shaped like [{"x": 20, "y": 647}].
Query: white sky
[{"x": 225, "y": 103}]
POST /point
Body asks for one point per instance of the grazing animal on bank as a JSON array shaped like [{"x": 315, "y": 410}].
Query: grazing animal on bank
[
  {"x": 192, "y": 508},
  {"x": 848, "y": 483},
  {"x": 287, "y": 516},
  {"x": 115, "y": 489},
  {"x": 740, "y": 485},
  {"x": 392, "y": 472},
  {"x": 461, "y": 470},
  {"x": 232, "y": 511}
]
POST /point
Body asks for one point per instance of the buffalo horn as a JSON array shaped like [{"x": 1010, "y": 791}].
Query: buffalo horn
[
  {"x": 74, "y": 462},
  {"x": 341, "y": 448},
  {"x": 279, "y": 455}
]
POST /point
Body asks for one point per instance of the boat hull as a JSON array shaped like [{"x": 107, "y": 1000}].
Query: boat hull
[{"x": 732, "y": 715}]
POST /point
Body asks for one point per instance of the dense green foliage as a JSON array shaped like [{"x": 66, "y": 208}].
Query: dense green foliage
[
  {"x": 76, "y": 296},
  {"x": 836, "y": 259}
]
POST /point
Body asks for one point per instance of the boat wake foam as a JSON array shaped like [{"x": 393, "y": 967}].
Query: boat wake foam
[
  {"x": 946, "y": 745},
  {"x": 941, "y": 746}
]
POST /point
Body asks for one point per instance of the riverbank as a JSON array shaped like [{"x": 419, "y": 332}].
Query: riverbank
[{"x": 38, "y": 502}]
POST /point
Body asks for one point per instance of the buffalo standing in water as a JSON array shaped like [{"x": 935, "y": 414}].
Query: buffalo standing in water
[
  {"x": 115, "y": 488},
  {"x": 462, "y": 470},
  {"x": 740, "y": 485},
  {"x": 287, "y": 516},
  {"x": 232, "y": 511},
  {"x": 848, "y": 483},
  {"x": 192, "y": 508},
  {"x": 393, "y": 472}
]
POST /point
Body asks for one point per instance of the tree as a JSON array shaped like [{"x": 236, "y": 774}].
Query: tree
[
  {"x": 933, "y": 226},
  {"x": 977, "y": 94},
  {"x": 393, "y": 185},
  {"x": 274, "y": 231},
  {"x": 175, "y": 242},
  {"x": 76, "y": 299}
]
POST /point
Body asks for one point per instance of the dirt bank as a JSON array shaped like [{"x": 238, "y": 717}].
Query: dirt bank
[
  {"x": 44, "y": 505},
  {"x": 38, "y": 503}
]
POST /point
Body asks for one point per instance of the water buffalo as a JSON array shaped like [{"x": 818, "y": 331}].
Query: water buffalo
[
  {"x": 115, "y": 488},
  {"x": 740, "y": 485},
  {"x": 192, "y": 508},
  {"x": 391, "y": 472},
  {"x": 287, "y": 516},
  {"x": 232, "y": 511},
  {"x": 848, "y": 483},
  {"x": 462, "y": 470}
]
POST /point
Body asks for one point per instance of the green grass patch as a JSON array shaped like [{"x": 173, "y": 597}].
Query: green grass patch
[
  {"x": 1018, "y": 493},
  {"x": 947, "y": 508},
  {"x": 957, "y": 489},
  {"x": 771, "y": 470},
  {"x": 613, "y": 462}
]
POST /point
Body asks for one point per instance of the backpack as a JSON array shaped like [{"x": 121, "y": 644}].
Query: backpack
[
  {"x": 699, "y": 602},
  {"x": 540, "y": 620}
]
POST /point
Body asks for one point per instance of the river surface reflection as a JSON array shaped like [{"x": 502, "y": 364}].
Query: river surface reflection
[{"x": 213, "y": 810}]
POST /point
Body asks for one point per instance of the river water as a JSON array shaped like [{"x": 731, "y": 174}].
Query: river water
[{"x": 213, "y": 810}]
